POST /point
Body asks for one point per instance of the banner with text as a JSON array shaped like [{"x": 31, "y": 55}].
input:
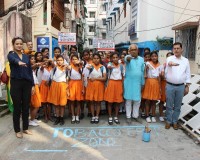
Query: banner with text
[
  {"x": 106, "y": 45},
  {"x": 66, "y": 38},
  {"x": 95, "y": 42}
]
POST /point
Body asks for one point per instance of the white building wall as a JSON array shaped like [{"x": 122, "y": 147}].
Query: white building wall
[
  {"x": 120, "y": 31},
  {"x": 151, "y": 16}
]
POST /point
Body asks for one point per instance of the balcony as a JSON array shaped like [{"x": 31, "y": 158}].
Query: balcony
[{"x": 57, "y": 13}]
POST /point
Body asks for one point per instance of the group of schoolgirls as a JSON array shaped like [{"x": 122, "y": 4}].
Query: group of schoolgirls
[
  {"x": 154, "y": 89},
  {"x": 58, "y": 83}
]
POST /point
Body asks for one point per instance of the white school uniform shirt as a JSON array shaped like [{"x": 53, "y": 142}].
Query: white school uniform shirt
[
  {"x": 153, "y": 72},
  {"x": 45, "y": 74},
  {"x": 96, "y": 73},
  {"x": 36, "y": 82},
  {"x": 74, "y": 75},
  {"x": 116, "y": 73},
  {"x": 178, "y": 74},
  {"x": 59, "y": 75}
]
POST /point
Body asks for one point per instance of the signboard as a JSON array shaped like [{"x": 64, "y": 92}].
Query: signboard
[
  {"x": 106, "y": 45},
  {"x": 95, "y": 42},
  {"x": 66, "y": 38},
  {"x": 42, "y": 42}
]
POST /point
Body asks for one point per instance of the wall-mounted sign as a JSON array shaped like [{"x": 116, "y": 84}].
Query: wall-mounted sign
[{"x": 66, "y": 38}]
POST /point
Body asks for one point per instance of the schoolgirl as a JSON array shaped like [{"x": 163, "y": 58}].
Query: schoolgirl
[
  {"x": 122, "y": 62},
  {"x": 57, "y": 52},
  {"x": 44, "y": 72},
  {"x": 86, "y": 60},
  {"x": 35, "y": 97},
  {"x": 76, "y": 87},
  {"x": 58, "y": 89},
  {"x": 152, "y": 90},
  {"x": 114, "y": 90},
  {"x": 163, "y": 86},
  {"x": 95, "y": 86},
  {"x": 147, "y": 57}
]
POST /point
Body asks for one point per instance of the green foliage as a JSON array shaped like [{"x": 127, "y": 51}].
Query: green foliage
[{"x": 165, "y": 42}]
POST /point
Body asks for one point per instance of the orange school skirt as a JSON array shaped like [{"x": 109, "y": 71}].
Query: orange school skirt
[
  {"x": 58, "y": 93},
  {"x": 95, "y": 91},
  {"x": 44, "y": 90},
  {"x": 75, "y": 90},
  {"x": 163, "y": 93},
  {"x": 151, "y": 89},
  {"x": 114, "y": 91},
  {"x": 35, "y": 98}
]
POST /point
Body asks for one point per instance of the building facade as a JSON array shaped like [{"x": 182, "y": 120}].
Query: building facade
[
  {"x": 95, "y": 22},
  {"x": 187, "y": 31},
  {"x": 47, "y": 18},
  {"x": 141, "y": 26}
]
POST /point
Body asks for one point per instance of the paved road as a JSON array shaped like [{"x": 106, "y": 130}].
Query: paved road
[{"x": 85, "y": 141}]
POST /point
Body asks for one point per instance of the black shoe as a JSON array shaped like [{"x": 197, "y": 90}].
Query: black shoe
[
  {"x": 96, "y": 120},
  {"x": 92, "y": 121},
  {"x": 57, "y": 121},
  {"x": 62, "y": 122},
  {"x": 81, "y": 116},
  {"x": 77, "y": 120},
  {"x": 116, "y": 120},
  {"x": 143, "y": 115},
  {"x": 73, "y": 120},
  {"x": 110, "y": 121}
]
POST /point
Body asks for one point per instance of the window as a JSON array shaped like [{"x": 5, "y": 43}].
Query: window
[
  {"x": 124, "y": 9},
  {"x": 92, "y": 1},
  {"x": 92, "y": 14},
  {"x": 91, "y": 28},
  {"x": 104, "y": 21},
  {"x": 103, "y": 35},
  {"x": 90, "y": 41},
  {"x": 104, "y": 7}
]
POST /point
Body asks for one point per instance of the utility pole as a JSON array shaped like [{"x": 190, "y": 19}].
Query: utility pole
[{"x": 17, "y": 5}]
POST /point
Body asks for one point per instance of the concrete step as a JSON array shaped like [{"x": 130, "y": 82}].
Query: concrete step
[{"x": 3, "y": 108}]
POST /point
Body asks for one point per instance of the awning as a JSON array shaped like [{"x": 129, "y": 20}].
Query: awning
[
  {"x": 116, "y": 8},
  {"x": 186, "y": 25},
  {"x": 121, "y": 1},
  {"x": 122, "y": 46},
  {"x": 113, "y": 13}
]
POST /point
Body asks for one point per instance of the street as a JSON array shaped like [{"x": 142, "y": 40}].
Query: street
[{"x": 87, "y": 141}]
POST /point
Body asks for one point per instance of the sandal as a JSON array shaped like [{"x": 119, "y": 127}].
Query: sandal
[
  {"x": 110, "y": 121},
  {"x": 92, "y": 121},
  {"x": 116, "y": 120}
]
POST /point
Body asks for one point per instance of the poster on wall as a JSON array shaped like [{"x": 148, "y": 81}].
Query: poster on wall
[
  {"x": 106, "y": 45},
  {"x": 66, "y": 38},
  {"x": 42, "y": 42}
]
